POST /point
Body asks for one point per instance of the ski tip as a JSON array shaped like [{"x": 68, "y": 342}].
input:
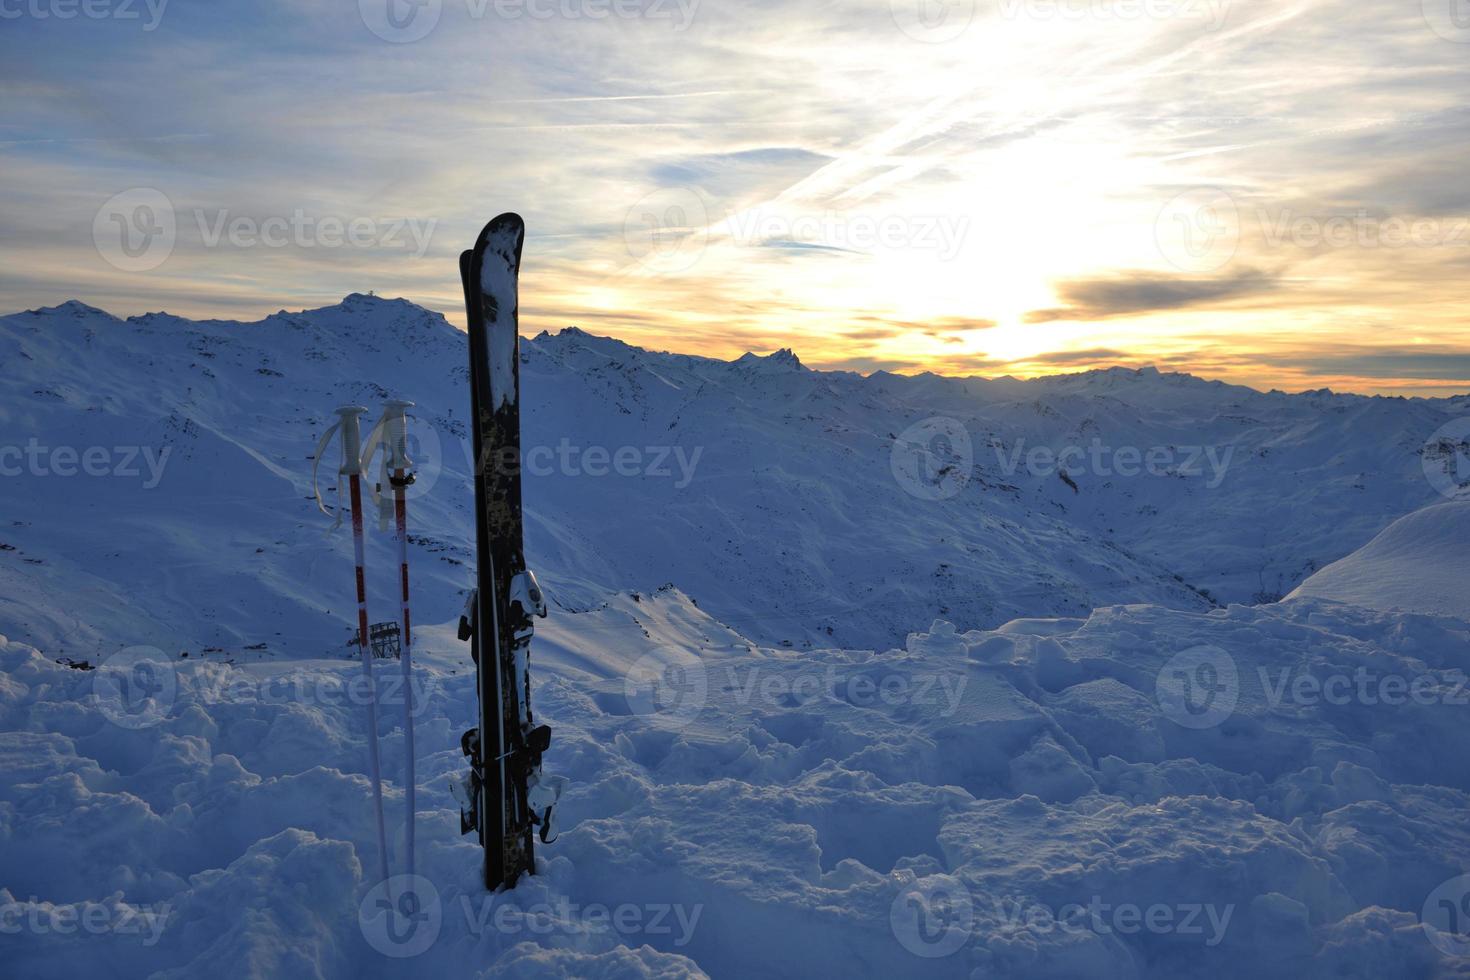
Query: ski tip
[
  {"x": 508, "y": 220},
  {"x": 497, "y": 254},
  {"x": 504, "y": 233}
]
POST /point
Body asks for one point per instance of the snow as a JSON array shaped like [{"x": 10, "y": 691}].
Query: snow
[
  {"x": 1109, "y": 777},
  {"x": 1419, "y": 563},
  {"x": 784, "y": 477},
  {"x": 499, "y": 270}
]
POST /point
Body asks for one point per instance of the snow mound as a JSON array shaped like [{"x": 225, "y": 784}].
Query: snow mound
[
  {"x": 1275, "y": 791},
  {"x": 1420, "y": 563}
]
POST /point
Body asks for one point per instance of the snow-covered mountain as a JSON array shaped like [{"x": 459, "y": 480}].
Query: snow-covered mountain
[
  {"x": 1033, "y": 722},
  {"x": 801, "y": 507}
]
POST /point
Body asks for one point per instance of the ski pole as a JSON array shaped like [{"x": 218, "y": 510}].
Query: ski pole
[
  {"x": 352, "y": 468},
  {"x": 392, "y": 431}
]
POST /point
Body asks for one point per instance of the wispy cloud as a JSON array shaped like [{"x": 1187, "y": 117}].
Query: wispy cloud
[
  {"x": 763, "y": 173},
  {"x": 1133, "y": 293}
]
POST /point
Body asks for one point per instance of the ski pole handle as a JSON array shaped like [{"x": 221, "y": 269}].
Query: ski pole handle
[{"x": 351, "y": 439}]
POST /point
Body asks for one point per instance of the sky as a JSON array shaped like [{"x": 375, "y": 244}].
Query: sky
[{"x": 1271, "y": 193}]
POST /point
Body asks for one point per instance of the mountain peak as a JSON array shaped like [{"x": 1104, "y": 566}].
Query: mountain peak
[
  {"x": 784, "y": 359},
  {"x": 575, "y": 338},
  {"x": 73, "y": 308}
]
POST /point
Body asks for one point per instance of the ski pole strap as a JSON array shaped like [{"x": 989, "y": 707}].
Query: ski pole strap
[{"x": 316, "y": 462}]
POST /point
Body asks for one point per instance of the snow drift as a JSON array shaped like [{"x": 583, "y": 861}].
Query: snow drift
[{"x": 1420, "y": 563}]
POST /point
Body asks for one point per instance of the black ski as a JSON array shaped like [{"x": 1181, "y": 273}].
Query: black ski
[{"x": 505, "y": 800}]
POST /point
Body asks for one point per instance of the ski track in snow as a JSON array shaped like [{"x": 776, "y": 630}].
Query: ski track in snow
[{"x": 751, "y": 809}]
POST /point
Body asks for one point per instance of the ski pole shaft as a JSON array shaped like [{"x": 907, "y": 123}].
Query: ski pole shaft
[
  {"x": 394, "y": 431},
  {"x": 400, "y": 509},
  {"x": 355, "y": 485},
  {"x": 352, "y": 465}
]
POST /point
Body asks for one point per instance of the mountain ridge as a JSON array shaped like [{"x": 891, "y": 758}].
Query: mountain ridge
[
  {"x": 802, "y": 507},
  {"x": 356, "y": 301}
]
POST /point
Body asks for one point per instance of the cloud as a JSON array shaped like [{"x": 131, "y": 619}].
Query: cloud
[
  {"x": 1091, "y": 356},
  {"x": 1381, "y": 363},
  {"x": 867, "y": 365},
  {"x": 1132, "y": 293},
  {"x": 1056, "y": 140}
]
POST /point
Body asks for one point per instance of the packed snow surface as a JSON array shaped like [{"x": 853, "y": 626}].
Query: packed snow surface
[{"x": 1014, "y": 730}]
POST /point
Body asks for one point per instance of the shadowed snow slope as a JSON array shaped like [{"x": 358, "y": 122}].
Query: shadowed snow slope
[
  {"x": 1419, "y": 563},
  {"x": 799, "y": 506}
]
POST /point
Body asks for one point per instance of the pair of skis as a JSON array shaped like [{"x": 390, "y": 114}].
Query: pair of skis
[
  {"x": 505, "y": 798},
  {"x": 391, "y": 435}
]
